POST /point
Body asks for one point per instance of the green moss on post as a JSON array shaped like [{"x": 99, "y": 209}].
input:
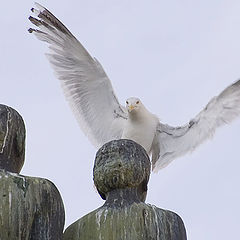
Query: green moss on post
[
  {"x": 121, "y": 174},
  {"x": 12, "y": 139},
  {"x": 30, "y": 208},
  {"x": 137, "y": 221}
]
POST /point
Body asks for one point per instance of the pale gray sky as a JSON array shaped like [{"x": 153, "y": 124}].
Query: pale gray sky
[{"x": 175, "y": 56}]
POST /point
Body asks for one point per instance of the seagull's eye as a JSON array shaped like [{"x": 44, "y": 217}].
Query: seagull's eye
[
  {"x": 126, "y": 102},
  {"x": 137, "y": 102}
]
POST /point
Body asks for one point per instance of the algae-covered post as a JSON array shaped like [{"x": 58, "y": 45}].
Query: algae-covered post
[
  {"x": 121, "y": 174},
  {"x": 30, "y": 208},
  {"x": 12, "y": 139}
]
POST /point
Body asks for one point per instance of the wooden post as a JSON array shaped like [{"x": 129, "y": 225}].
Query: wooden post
[
  {"x": 30, "y": 208},
  {"x": 12, "y": 139},
  {"x": 121, "y": 174}
]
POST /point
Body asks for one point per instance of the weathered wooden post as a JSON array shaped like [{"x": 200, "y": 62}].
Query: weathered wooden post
[
  {"x": 121, "y": 174},
  {"x": 30, "y": 208}
]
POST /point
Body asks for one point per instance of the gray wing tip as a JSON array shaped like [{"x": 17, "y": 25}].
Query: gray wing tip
[
  {"x": 48, "y": 19},
  {"x": 32, "y": 30},
  {"x": 237, "y": 83},
  {"x": 233, "y": 88},
  {"x": 34, "y": 21}
]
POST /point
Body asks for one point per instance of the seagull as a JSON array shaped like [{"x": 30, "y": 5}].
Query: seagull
[{"x": 100, "y": 115}]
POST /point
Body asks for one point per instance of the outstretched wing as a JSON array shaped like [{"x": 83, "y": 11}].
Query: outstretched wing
[
  {"x": 172, "y": 142},
  {"x": 85, "y": 84}
]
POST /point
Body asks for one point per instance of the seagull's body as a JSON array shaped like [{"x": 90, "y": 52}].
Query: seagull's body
[
  {"x": 102, "y": 118},
  {"x": 141, "y": 125}
]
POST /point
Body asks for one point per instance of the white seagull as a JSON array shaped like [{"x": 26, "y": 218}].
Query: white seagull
[{"x": 101, "y": 117}]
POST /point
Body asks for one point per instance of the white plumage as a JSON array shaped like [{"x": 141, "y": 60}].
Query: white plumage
[
  {"x": 102, "y": 118},
  {"x": 141, "y": 125}
]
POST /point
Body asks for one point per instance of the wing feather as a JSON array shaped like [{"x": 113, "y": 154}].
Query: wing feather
[
  {"x": 172, "y": 142},
  {"x": 84, "y": 82}
]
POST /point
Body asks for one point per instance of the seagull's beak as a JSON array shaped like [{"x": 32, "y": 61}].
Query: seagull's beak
[{"x": 130, "y": 108}]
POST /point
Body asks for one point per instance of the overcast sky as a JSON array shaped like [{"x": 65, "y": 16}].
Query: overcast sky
[{"x": 174, "y": 55}]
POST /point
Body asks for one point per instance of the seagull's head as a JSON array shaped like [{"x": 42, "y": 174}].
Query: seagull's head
[{"x": 133, "y": 104}]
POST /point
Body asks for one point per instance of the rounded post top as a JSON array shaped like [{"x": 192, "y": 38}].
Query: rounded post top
[
  {"x": 12, "y": 139},
  {"x": 121, "y": 164}
]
